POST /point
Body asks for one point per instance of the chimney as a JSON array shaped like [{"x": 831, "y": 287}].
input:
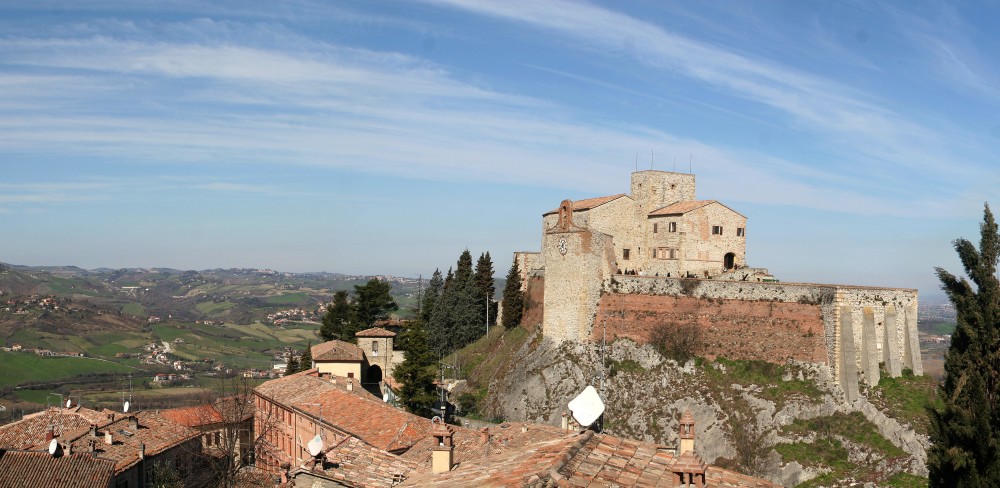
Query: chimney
[
  {"x": 142, "y": 451},
  {"x": 93, "y": 430},
  {"x": 92, "y": 445},
  {"x": 565, "y": 421},
  {"x": 133, "y": 422},
  {"x": 443, "y": 452},
  {"x": 68, "y": 449},
  {"x": 350, "y": 384},
  {"x": 50, "y": 434},
  {"x": 484, "y": 435},
  {"x": 108, "y": 439},
  {"x": 686, "y": 433}
]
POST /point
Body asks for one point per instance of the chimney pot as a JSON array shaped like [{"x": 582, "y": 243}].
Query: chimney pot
[
  {"x": 133, "y": 422},
  {"x": 49, "y": 435},
  {"x": 484, "y": 434},
  {"x": 108, "y": 438},
  {"x": 350, "y": 384}
]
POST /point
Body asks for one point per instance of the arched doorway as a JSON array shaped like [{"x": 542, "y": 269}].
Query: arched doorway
[
  {"x": 374, "y": 374},
  {"x": 729, "y": 260}
]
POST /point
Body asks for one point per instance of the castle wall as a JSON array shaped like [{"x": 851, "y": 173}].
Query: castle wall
[
  {"x": 735, "y": 329},
  {"x": 860, "y": 325},
  {"x": 576, "y": 262},
  {"x": 527, "y": 262}
]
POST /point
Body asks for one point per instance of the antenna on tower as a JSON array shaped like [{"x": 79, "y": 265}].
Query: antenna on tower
[
  {"x": 690, "y": 158},
  {"x": 651, "y": 159},
  {"x": 637, "y": 161}
]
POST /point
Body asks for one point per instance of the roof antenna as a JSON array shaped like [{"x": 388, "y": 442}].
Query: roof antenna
[
  {"x": 637, "y": 161},
  {"x": 675, "y": 164},
  {"x": 651, "y": 159},
  {"x": 690, "y": 158}
]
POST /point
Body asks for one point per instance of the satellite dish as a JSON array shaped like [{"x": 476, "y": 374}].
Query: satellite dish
[
  {"x": 587, "y": 407},
  {"x": 125, "y": 407},
  {"x": 385, "y": 397},
  {"x": 315, "y": 446},
  {"x": 53, "y": 447},
  {"x": 69, "y": 402}
]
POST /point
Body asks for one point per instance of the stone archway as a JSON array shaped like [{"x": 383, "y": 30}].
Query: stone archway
[
  {"x": 729, "y": 261},
  {"x": 374, "y": 374}
]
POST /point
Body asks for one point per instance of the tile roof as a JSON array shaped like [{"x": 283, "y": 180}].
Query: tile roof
[
  {"x": 356, "y": 413},
  {"x": 588, "y": 203},
  {"x": 358, "y": 464},
  {"x": 30, "y": 469},
  {"x": 337, "y": 351},
  {"x": 681, "y": 207},
  {"x": 376, "y": 332},
  {"x": 155, "y": 433},
  {"x": 196, "y": 416}
]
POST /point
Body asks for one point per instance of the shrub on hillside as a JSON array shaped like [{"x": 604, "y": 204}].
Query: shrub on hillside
[{"x": 676, "y": 341}]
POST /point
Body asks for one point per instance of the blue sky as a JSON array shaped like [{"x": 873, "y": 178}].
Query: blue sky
[{"x": 382, "y": 137}]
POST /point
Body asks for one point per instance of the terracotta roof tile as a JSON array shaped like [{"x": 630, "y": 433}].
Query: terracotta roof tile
[
  {"x": 589, "y": 203},
  {"x": 30, "y": 469},
  {"x": 337, "y": 351},
  {"x": 196, "y": 416},
  {"x": 680, "y": 208},
  {"x": 376, "y": 332},
  {"x": 154, "y": 432},
  {"x": 360, "y": 464}
]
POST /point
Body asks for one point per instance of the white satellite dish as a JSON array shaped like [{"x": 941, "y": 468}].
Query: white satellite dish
[
  {"x": 587, "y": 407},
  {"x": 385, "y": 397},
  {"x": 53, "y": 446},
  {"x": 69, "y": 402},
  {"x": 315, "y": 446},
  {"x": 125, "y": 407}
]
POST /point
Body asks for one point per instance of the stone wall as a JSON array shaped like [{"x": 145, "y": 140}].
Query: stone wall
[{"x": 735, "y": 329}]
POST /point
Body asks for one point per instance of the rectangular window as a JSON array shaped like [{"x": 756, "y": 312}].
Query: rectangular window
[
  {"x": 673, "y": 254},
  {"x": 672, "y": 227},
  {"x": 654, "y": 253},
  {"x": 625, "y": 253},
  {"x": 350, "y": 375},
  {"x": 375, "y": 348},
  {"x": 717, "y": 230},
  {"x": 655, "y": 226},
  {"x": 739, "y": 232}
]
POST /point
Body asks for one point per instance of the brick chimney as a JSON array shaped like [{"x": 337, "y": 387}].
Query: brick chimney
[
  {"x": 443, "y": 452},
  {"x": 50, "y": 434},
  {"x": 133, "y": 422},
  {"x": 686, "y": 433},
  {"x": 484, "y": 435}
]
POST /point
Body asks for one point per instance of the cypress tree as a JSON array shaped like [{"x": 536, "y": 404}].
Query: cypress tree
[
  {"x": 293, "y": 364},
  {"x": 965, "y": 431},
  {"x": 485, "y": 287},
  {"x": 416, "y": 372},
  {"x": 433, "y": 293},
  {"x": 306, "y": 359},
  {"x": 513, "y": 298},
  {"x": 456, "y": 319},
  {"x": 372, "y": 302}
]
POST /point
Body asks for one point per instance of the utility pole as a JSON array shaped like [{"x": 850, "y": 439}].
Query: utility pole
[{"x": 487, "y": 314}]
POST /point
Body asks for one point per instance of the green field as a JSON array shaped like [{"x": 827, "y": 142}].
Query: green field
[
  {"x": 289, "y": 299},
  {"x": 212, "y": 307},
  {"x": 134, "y": 309},
  {"x": 22, "y": 367}
]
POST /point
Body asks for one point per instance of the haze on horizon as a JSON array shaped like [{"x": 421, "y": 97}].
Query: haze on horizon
[{"x": 385, "y": 138}]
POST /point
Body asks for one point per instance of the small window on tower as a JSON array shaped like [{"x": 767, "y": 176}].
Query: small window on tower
[
  {"x": 655, "y": 227},
  {"x": 672, "y": 227},
  {"x": 625, "y": 253},
  {"x": 740, "y": 232},
  {"x": 717, "y": 230}
]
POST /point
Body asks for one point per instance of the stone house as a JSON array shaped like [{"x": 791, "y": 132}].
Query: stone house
[{"x": 371, "y": 361}]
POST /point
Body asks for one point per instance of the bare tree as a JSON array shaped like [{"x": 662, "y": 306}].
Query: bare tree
[{"x": 677, "y": 341}]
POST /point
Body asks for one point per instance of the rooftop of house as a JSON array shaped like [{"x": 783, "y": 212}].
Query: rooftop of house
[
  {"x": 354, "y": 462},
  {"x": 221, "y": 411},
  {"x": 376, "y": 332},
  {"x": 146, "y": 431},
  {"x": 681, "y": 208},
  {"x": 337, "y": 351},
  {"x": 589, "y": 203},
  {"x": 29, "y": 469}
]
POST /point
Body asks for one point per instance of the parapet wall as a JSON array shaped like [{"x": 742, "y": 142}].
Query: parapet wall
[{"x": 853, "y": 329}]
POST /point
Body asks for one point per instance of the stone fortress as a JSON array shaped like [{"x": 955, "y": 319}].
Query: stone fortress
[{"x": 622, "y": 265}]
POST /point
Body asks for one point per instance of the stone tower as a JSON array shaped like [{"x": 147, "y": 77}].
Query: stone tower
[{"x": 657, "y": 189}]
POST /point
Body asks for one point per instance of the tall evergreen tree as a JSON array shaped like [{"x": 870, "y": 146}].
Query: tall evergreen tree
[
  {"x": 434, "y": 288},
  {"x": 448, "y": 279},
  {"x": 306, "y": 359},
  {"x": 456, "y": 320},
  {"x": 483, "y": 278},
  {"x": 337, "y": 318},
  {"x": 292, "y": 366},
  {"x": 372, "y": 302},
  {"x": 513, "y": 298},
  {"x": 416, "y": 372},
  {"x": 965, "y": 431}
]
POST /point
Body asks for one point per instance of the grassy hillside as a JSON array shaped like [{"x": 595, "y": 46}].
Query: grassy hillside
[{"x": 23, "y": 367}]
